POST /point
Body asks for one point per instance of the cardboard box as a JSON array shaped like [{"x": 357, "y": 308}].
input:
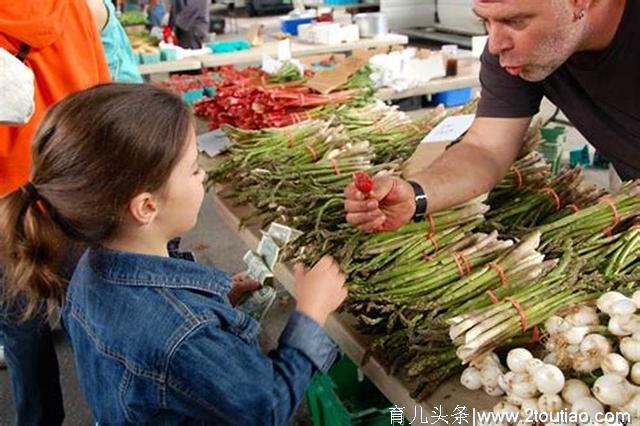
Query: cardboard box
[{"x": 326, "y": 81}]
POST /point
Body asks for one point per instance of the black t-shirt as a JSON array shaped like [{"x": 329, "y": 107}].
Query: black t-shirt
[{"x": 599, "y": 92}]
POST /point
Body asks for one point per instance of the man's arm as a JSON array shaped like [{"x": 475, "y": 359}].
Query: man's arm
[
  {"x": 463, "y": 172},
  {"x": 475, "y": 165}
]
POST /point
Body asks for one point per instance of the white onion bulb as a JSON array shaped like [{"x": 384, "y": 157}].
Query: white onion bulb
[
  {"x": 493, "y": 390},
  {"x": 533, "y": 365},
  {"x": 616, "y": 326},
  {"x": 549, "y": 403},
  {"x": 505, "y": 379},
  {"x": 635, "y": 373},
  {"x": 583, "y": 315},
  {"x": 623, "y": 307},
  {"x": 556, "y": 325},
  {"x": 517, "y": 360},
  {"x": 529, "y": 405},
  {"x": 575, "y": 389},
  {"x": 608, "y": 299},
  {"x": 612, "y": 390},
  {"x": 633, "y": 406},
  {"x": 523, "y": 386},
  {"x": 636, "y": 298},
  {"x": 585, "y": 363},
  {"x": 575, "y": 335},
  {"x": 471, "y": 378},
  {"x": 588, "y": 405},
  {"x": 490, "y": 375},
  {"x": 549, "y": 379},
  {"x": 595, "y": 345},
  {"x": 615, "y": 364}
]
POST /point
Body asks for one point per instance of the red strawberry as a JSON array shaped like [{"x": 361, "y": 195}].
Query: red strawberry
[{"x": 364, "y": 182}]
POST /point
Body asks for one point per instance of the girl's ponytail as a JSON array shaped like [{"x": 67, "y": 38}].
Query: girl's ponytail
[{"x": 32, "y": 247}]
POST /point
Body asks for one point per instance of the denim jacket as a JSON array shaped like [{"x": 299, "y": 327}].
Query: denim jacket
[{"x": 156, "y": 341}]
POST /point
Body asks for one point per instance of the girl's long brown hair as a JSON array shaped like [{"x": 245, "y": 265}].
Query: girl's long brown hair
[{"x": 93, "y": 152}]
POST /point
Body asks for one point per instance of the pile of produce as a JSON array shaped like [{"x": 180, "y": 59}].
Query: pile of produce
[
  {"x": 181, "y": 83},
  {"x": 132, "y": 17},
  {"x": 252, "y": 99},
  {"x": 441, "y": 293},
  {"x": 144, "y": 43},
  {"x": 592, "y": 365}
]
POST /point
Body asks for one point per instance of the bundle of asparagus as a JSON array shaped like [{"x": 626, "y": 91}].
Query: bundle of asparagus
[{"x": 552, "y": 200}]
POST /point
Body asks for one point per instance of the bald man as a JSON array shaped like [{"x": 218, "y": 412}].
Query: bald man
[{"x": 583, "y": 55}]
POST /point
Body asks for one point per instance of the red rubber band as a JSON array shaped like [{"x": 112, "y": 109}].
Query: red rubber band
[
  {"x": 616, "y": 216},
  {"x": 574, "y": 207},
  {"x": 434, "y": 242},
  {"x": 519, "y": 176},
  {"x": 524, "y": 322},
  {"x": 432, "y": 224},
  {"x": 458, "y": 262},
  {"x": 314, "y": 156},
  {"x": 492, "y": 296},
  {"x": 292, "y": 140},
  {"x": 336, "y": 169},
  {"x": 553, "y": 194},
  {"x": 427, "y": 257},
  {"x": 467, "y": 265},
  {"x": 500, "y": 272}
]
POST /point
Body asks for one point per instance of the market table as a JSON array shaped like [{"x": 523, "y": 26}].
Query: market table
[
  {"x": 187, "y": 64},
  {"x": 468, "y": 76},
  {"x": 341, "y": 328},
  {"x": 298, "y": 49}
]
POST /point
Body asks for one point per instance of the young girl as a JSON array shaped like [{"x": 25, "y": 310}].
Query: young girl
[{"x": 156, "y": 339}]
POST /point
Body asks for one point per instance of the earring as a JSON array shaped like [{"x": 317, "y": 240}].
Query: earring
[{"x": 578, "y": 16}]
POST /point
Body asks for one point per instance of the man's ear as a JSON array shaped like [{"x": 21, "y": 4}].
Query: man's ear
[
  {"x": 580, "y": 7},
  {"x": 143, "y": 208}
]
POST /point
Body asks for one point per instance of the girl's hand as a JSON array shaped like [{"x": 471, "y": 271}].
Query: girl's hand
[
  {"x": 240, "y": 286},
  {"x": 320, "y": 290}
]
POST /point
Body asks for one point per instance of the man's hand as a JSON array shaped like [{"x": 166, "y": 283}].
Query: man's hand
[
  {"x": 390, "y": 205},
  {"x": 240, "y": 286}
]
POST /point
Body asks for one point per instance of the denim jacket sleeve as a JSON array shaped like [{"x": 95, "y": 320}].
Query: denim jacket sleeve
[{"x": 217, "y": 376}]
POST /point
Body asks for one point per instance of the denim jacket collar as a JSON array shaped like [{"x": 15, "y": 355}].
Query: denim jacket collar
[{"x": 133, "y": 269}]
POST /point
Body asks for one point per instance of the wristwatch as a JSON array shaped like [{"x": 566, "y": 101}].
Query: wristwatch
[{"x": 421, "y": 201}]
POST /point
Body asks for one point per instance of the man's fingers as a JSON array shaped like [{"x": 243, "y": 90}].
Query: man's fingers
[
  {"x": 357, "y": 219},
  {"x": 352, "y": 193},
  {"x": 352, "y": 206},
  {"x": 372, "y": 226}
]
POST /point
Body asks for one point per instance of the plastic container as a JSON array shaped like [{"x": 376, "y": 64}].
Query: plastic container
[
  {"x": 290, "y": 25},
  {"x": 343, "y": 398},
  {"x": 150, "y": 58},
  {"x": 552, "y": 146},
  {"x": 190, "y": 96},
  {"x": 168, "y": 54},
  {"x": 452, "y": 98},
  {"x": 229, "y": 46}
]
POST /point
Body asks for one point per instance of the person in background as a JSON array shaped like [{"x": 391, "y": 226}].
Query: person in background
[
  {"x": 122, "y": 62},
  {"x": 156, "y": 10},
  {"x": 59, "y": 43},
  {"x": 161, "y": 334},
  {"x": 190, "y": 19}
]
